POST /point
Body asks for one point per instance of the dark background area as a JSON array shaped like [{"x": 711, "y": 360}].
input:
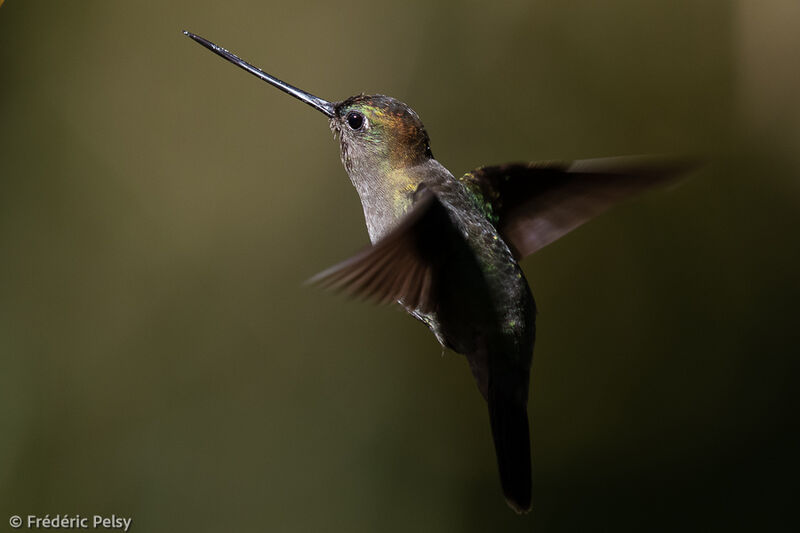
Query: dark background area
[{"x": 160, "y": 209}]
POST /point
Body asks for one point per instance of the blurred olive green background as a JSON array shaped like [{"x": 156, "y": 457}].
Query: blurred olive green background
[{"x": 160, "y": 209}]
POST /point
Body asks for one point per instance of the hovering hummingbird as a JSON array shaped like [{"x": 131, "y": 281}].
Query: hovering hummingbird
[{"x": 447, "y": 249}]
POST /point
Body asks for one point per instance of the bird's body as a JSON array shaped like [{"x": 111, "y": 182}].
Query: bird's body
[
  {"x": 481, "y": 307},
  {"x": 447, "y": 249}
]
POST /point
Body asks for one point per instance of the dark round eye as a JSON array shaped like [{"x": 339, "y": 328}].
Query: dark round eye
[{"x": 355, "y": 120}]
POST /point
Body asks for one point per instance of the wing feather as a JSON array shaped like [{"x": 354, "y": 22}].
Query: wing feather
[
  {"x": 401, "y": 266},
  {"x": 534, "y": 204}
]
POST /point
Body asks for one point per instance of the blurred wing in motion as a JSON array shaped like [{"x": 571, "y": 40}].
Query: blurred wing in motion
[
  {"x": 402, "y": 266},
  {"x": 533, "y": 204}
]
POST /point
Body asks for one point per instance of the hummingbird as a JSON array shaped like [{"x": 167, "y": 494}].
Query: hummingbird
[{"x": 447, "y": 249}]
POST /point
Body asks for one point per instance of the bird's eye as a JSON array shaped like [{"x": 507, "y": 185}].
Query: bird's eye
[{"x": 355, "y": 120}]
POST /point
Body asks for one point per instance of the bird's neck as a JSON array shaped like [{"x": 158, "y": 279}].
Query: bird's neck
[{"x": 386, "y": 195}]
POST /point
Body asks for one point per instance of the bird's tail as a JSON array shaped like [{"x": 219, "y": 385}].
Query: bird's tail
[{"x": 509, "y": 419}]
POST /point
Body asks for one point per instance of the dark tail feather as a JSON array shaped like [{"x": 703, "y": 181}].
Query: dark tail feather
[{"x": 512, "y": 442}]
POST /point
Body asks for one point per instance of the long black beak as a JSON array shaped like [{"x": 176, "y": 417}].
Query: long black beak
[{"x": 317, "y": 103}]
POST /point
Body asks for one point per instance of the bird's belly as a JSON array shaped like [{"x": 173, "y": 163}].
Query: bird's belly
[{"x": 467, "y": 318}]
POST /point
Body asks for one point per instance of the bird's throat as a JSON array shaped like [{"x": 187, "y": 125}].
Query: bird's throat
[{"x": 385, "y": 196}]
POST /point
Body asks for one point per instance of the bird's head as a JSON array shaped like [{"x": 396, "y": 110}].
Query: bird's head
[{"x": 379, "y": 132}]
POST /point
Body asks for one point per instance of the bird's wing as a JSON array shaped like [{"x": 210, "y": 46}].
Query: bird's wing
[
  {"x": 533, "y": 204},
  {"x": 402, "y": 266}
]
